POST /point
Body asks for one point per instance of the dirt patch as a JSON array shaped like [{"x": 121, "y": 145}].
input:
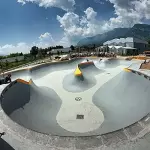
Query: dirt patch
[{"x": 145, "y": 65}]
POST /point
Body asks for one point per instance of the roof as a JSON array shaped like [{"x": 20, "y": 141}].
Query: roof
[
  {"x": 125, "y": 40},
  {"x": 128, "y": 48},
  {"x": 110, "y": 46},
  {"x": 62, "y": 49},
  {"x": 117, "y": 47}
]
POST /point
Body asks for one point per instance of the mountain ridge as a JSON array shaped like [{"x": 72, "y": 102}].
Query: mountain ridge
[{"x": 141, "y": 31}]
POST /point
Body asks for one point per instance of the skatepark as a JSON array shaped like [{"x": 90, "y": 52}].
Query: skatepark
[{"x": 77, "y": 104}]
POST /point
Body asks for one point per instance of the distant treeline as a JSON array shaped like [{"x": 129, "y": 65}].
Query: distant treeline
[
  {"x": 11, "y": 55},
  {"x": 34, "y": 51}
]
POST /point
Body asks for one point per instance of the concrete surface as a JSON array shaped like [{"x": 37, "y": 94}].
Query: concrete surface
[{"x": 48, "y": 106}]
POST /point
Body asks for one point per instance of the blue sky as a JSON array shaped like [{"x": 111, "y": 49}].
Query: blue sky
[{"x": 24, "y": 23}]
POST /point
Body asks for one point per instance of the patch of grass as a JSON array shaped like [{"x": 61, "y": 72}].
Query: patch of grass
[{"x": 14, "y": 65}]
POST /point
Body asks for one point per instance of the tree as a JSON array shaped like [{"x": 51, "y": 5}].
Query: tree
[
  {"x": 16, "y": 60},
  {"x": 72, "y": 47},
  {"x": 44, "y": 52},
  {"x": 21, "y": 54},
  {"x": 49, "y": 49},
  {"x": 1, "y": 66},
  {"x": 6, "y": 63},
  {"x": 27, "y": 56},
  {"x": 40, "y": 53},
  {"x": 94, "y": 47},
  {"x": 50, "y": 55},
  {"x": 58, "y": 53},
  {"x": 34, "y": 51}
]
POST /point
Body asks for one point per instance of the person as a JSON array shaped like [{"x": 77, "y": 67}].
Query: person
[
  {"x": 100, "y": 59},
  {"x": 87, "y": 60},
  {"x": 1, "y": 134},
  {"x": 6, "y": 80}
]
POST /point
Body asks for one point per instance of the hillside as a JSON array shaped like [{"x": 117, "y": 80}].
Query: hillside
[{"x": 141, "y": 31}]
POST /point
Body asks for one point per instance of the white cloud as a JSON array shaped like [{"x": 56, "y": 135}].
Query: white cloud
[
  {"x": 99, "y": 2},
  {"x": 128, "y": 13},
  {"x": 76, "y": 27},
  {"x": 90, "y": 13},
  {"x": 64, "y": 42},
  {"x": 22, "y": 2},
  {"x": 9, "y": 48},
  {"x": 45, "y": 36},
  {"x": 142, "y": 7},
  {"x": 45, "y": 40},
  {"x": 66, "y": 5}
]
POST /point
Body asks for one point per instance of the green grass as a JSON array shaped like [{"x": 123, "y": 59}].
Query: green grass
[{"x": 15, "y": 65}]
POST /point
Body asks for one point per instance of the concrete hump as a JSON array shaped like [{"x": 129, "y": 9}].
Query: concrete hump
[{"x": 15, "y": 96}]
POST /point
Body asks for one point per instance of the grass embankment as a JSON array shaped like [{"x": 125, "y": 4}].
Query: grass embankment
[{"x": 16, "y": 65}]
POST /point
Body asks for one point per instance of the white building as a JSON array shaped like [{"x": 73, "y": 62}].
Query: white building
[
  {"x": 120, "y": 50},
  {"x": 130, "y": 43},
  {"x": 64, "y": 50}
]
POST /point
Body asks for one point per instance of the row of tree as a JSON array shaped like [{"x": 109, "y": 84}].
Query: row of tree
[
  {"x": 41, "y": 52},
  {"x": 11, "y": 55},
  {"x": 44, "y": 51}
]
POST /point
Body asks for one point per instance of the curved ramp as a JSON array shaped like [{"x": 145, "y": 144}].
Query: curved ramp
[
  {"x": 33, "y": 107},
  {"x": 125, "y": 99}
]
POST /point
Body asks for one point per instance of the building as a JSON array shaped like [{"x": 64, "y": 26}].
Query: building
[
  {"x": 131, "y": 44},
  {"x": 102, "y": 49},
  {"x": 13, "y": 59},
  {"x": 120, "y": 50},
  {"x": 63, "y": 50}
]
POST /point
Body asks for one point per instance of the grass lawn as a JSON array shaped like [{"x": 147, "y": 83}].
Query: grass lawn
[{"x": 14, "y": 65}]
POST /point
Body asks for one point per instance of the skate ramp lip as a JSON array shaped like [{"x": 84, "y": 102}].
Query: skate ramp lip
[{"x": 41, "y": 108}]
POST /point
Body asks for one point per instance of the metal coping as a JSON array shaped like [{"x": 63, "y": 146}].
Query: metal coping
[
  {"x": 13, "y": 83},
  {"x": 137, "y": 72},
  {"x": 91, "y": 62},
  {"x": 127, "y": 70}
]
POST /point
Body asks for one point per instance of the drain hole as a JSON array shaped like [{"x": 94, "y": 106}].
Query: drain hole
[
  {"x": 78, "y": 98},
  {"x": 80, "y": 117}
]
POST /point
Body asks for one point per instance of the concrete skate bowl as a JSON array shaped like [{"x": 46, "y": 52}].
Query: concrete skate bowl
[{"x": 46, "y": 105}]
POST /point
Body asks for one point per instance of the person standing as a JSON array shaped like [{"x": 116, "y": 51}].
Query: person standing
[
  {"x": 1, "y": 134},
  {"x": 5, "y": 80}
]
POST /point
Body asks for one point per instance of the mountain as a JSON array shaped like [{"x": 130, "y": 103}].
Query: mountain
[{"x": 141, "y": 31}]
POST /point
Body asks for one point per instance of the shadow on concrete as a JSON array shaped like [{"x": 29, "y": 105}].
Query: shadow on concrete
[{"x": 4, "y": 145}]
